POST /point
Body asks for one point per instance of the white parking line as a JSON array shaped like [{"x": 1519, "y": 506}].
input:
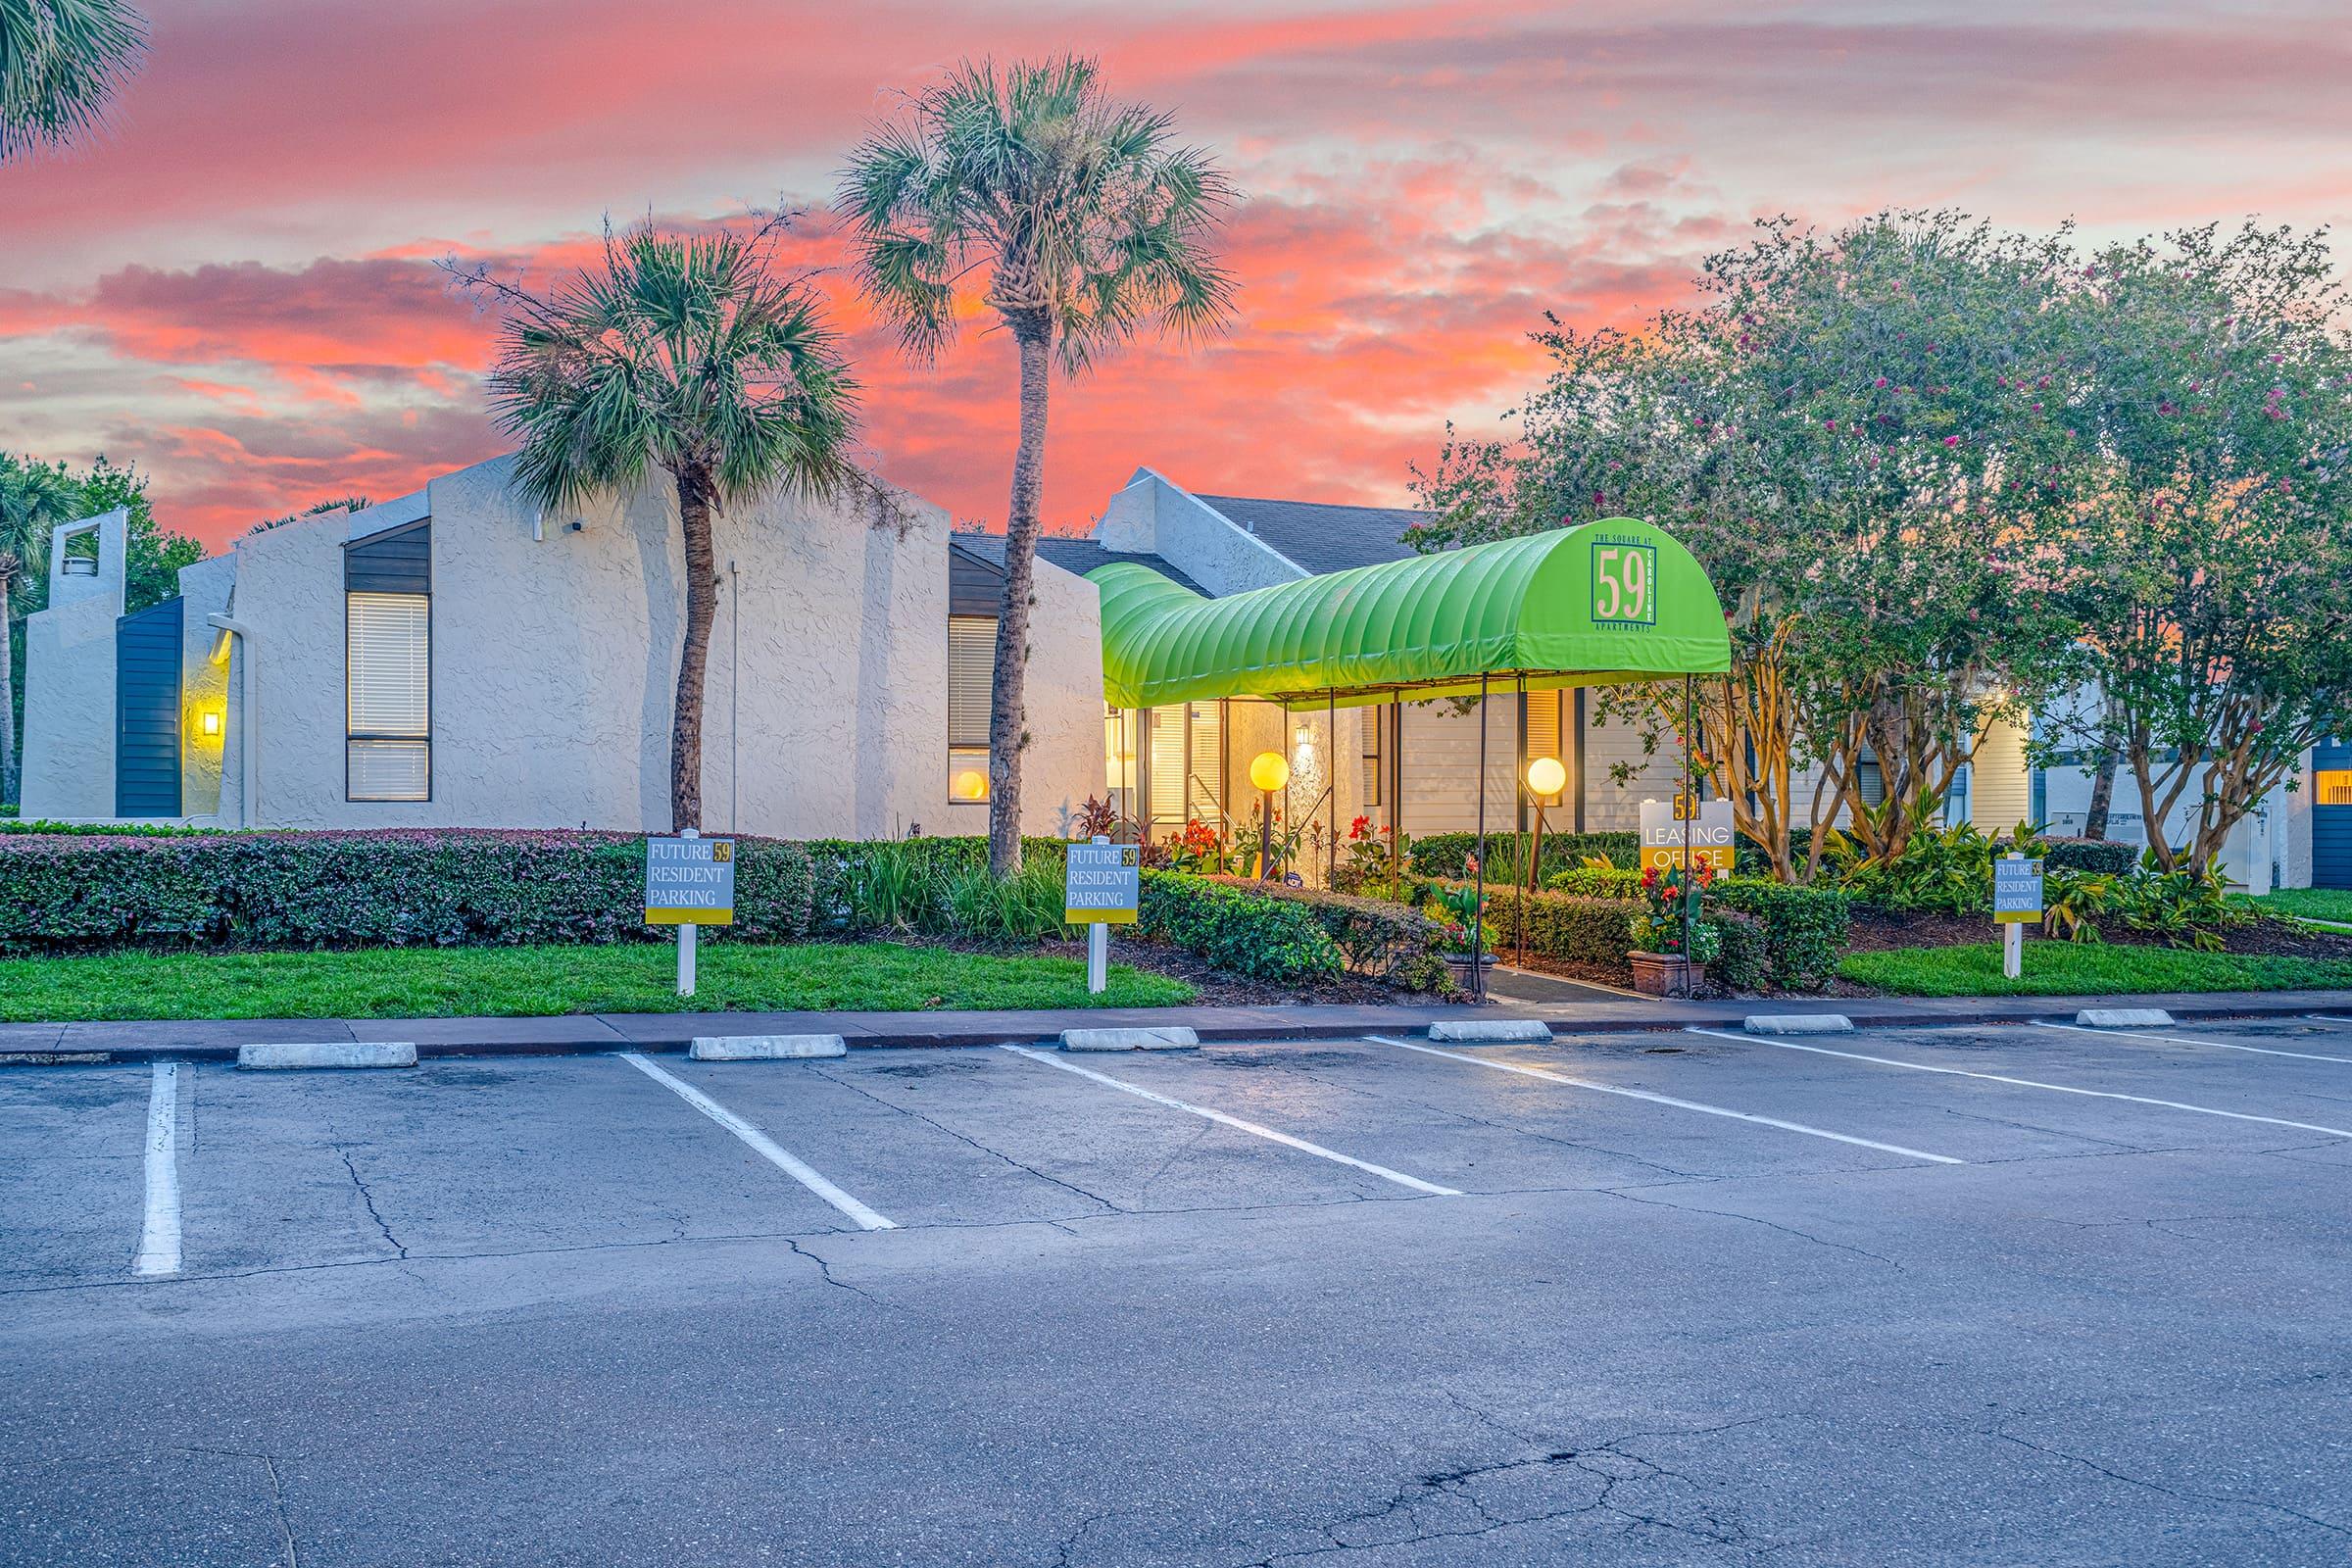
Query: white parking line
[
  {"x": 159, "y": 1229},
  {"x": 1669, "y": 1100},
  {"x": 1223, "y": 1120},
  {"x": 2024, "y": 1083},
  {"x": 764, "y": 1147},
  {"x": 2327, "y": 1018},
  {"x": 2183, "y": 1039}
]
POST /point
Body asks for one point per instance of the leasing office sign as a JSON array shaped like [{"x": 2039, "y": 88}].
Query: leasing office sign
[{"x": 689, "y": 881}]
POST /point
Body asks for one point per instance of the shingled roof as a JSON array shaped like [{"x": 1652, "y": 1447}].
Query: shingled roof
[{"x": 1318, "y": 538}]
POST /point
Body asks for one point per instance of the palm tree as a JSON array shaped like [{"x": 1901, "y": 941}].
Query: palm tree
[
  {"x": 1091, "y": 225},
  {"x": 685, "y": 353},
  {"x": 34, "y": 498},
  {"x": 60, "y": 62}
]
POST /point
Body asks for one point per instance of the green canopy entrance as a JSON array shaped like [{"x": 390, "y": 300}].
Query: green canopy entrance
[
  {"x": 1612, "y": 601},
  {"x": 1609, "y": 601}
]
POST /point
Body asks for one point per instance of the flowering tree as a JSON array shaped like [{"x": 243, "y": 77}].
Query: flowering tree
[
  {"x": 2210, "y": 566},
  {"x": 1858, "y": 435}
]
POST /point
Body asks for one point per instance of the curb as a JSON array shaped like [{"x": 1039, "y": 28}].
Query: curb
[{"x": 608, "y": 1041}]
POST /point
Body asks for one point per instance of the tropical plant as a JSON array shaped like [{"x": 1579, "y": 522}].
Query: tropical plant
[
  {"x": 1670, "y": 909},
  {"x": 892, "y": 888},
  {"x": 61, "y": 62},
  {"x": 688, "y": 353},
  {"x": 1084, "y": 225},
  {"x": 314, "y": 509}
]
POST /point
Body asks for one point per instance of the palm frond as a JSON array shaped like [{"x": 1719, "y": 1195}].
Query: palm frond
[{"x": 60, "y": 64}]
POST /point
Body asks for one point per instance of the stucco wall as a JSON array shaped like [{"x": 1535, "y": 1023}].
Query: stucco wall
[
  {"x": 554, "y": 667},
  {"x": 1151, "y": 515},
  {"x": 68, "y": 677},
  {"x": 203, "y": 689}
]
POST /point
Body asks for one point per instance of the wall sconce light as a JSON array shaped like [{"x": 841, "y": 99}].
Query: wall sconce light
[{"x": 211, "y": 723}]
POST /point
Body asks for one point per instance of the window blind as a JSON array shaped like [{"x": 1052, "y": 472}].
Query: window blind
[
  {"x": 1542, "y": 734},
  {"x": 971, "y": 678},
  {"x": 388, "y": 695}
]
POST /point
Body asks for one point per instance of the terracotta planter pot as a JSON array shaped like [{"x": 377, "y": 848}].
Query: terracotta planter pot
[{"x": 1660, "y": 974}]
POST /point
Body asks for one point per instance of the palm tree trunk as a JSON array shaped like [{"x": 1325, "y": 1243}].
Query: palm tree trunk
[
  {"x": 1007, "y": 709},
  {"x": 693, "y": 657}
]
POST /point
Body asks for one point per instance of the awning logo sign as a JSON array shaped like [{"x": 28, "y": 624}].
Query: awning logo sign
[{"x": 1625, "y": 581}]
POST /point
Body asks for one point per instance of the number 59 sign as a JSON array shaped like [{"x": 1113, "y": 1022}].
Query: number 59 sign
[{"x": 1625, "y": 584}]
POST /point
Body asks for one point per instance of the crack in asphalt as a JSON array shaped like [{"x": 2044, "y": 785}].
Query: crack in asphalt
[
  {"x": 2177, "y": 1495},
  {"x": 367, "y": 1197},
  {"x": 1768, "y": 1224},
  {"x": 277, "y": 1494},
  {"x": 1609, "y": 1463},
  {"x": 961, "y": 1138},
  {"x": 826, "y": 1270}
]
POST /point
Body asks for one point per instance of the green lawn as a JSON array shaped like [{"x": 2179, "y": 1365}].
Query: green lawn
[
  {"x": 2313, "y": 903},
  {"x": 525, "y": 982},
  {"x": 2071, "y": 969}
]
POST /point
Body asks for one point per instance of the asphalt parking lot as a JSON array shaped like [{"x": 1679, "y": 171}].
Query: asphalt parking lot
[{"x": 2017, "y": 1296}]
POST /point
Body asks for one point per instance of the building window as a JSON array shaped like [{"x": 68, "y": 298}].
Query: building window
[
  {"x": 971, "y": 688},
  {"x": 1185, "y": 758},
  {"x": 1542, "y": 738},
  {"x": 2333, "y": 786},
  {"x": 388, "y": 749},
  {"x": 1375, "y": 724}
]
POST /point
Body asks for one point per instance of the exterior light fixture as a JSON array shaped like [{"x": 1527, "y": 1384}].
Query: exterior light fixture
[
  {"x": 1269, "y": 772},
  {"x": 1546, "y": 777},
  {"x": 972, "y": 785},
  {"x": 211, "y": 722}
]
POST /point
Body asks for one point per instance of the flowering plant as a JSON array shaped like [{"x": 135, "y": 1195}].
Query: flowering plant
[{"x": 1666, "y": 898}]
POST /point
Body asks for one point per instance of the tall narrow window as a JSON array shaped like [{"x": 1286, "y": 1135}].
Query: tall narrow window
[
  {"x": 1375, "y": 721},
  {"x": 1543, "y": 736},
  {"x": 971, "y": 687},
  {"x": 388, "y": 697}
]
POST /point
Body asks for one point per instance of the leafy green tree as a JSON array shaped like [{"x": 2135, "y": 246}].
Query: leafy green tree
[
  {"x": 1858, "y": 434},
  {"x": 2210, "y": 570},
  {"x": 60, "y": 63},
  {"x": 1088, "y": 227},
  {"x": 686, "y": 353}
]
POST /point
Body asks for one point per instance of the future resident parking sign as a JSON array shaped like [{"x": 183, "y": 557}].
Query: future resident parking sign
[{"x": 689, "y": 881}]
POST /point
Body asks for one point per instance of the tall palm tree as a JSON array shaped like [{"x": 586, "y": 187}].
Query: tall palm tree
[
  {"x": 60, "y": 62},
  {"x": 689, "y": 354},
  {"x": 1091, "y": 227},
  {"x": 34, "y": 498}
]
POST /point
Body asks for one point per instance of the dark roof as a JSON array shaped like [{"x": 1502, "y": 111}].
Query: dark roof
[
  {"x": 1321, "y": 538},
  {"x": 1078, "y": 556}
]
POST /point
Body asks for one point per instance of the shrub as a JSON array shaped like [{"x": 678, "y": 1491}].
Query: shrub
[
  {"x": 1744, "y": 955},
  {"x": 10, "y": 822},
  {"x": 1240, "y": 928},
  {"x": 839, "y": 864},
  {"x": 1376, "y": 938},
  {"x": 1448, "y": 855},
  {"x": 1595, "y": 933},
  {"x": 2098, "y": 857},
  {"x": 1594, "y": 883},
  {"x": 1805, "y": 929},
  {"x": 391, "y": 888}
]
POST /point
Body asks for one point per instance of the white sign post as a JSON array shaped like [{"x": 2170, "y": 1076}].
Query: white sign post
[
  {"x": 2016, "y": 901},
  {"x": 1102, "y": 886},
  {"x": 689, "y": 882}
]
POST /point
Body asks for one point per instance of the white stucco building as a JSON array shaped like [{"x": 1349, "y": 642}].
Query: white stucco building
[{"x": 457, "y": 658}]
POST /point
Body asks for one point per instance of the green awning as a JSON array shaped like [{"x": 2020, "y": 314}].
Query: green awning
[{"x": 1608, "y": 601}]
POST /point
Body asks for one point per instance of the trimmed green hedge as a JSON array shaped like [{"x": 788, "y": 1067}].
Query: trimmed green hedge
[
  {"x": 1448, "y": 855},
  {"x": 1381, "y": 941},
  {"x": 1238, "y": 927},
  {"x": 1805, "y": 929},
  {"x": 394, "y": 888},
  {"x": 2101, "y": 857},
  {"x": 1565, "y": 928}
]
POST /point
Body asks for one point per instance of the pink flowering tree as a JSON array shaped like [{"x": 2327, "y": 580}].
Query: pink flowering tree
[{"x": 2211, "y": 569}]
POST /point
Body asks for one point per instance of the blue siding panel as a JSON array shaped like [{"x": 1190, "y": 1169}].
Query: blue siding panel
[
  {"x": 2331, "y": 825},
  {"x": 147, "y": 652}
]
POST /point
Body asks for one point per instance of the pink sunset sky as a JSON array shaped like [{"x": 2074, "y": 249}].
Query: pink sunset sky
[{"x": 234, "y": 289}]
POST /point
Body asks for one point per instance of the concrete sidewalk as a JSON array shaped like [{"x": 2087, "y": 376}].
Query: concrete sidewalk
[{"x": 205, "y": 1040}]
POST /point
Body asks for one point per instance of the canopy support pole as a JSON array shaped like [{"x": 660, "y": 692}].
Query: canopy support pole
[
  {"x": 1330, "y": 767},
  {"x": 1690, "y": 811},
  {"x": 1477, "y": 909}
]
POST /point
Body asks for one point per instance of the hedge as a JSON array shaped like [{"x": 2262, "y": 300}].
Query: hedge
[
  {"x": 1237, "y": 926},
  {"x": 1805, "y": 929},
  {"x": 419, "y": 886},
  {"x": 2102, "y": 857},
  {"x": 1564, "y": 928},
  {"x": 1380, "y": 940},
  {"x": 1448, "y": 855}
]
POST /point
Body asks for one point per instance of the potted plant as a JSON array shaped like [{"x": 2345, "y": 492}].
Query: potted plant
[{"x": 1662, "y": 965}]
